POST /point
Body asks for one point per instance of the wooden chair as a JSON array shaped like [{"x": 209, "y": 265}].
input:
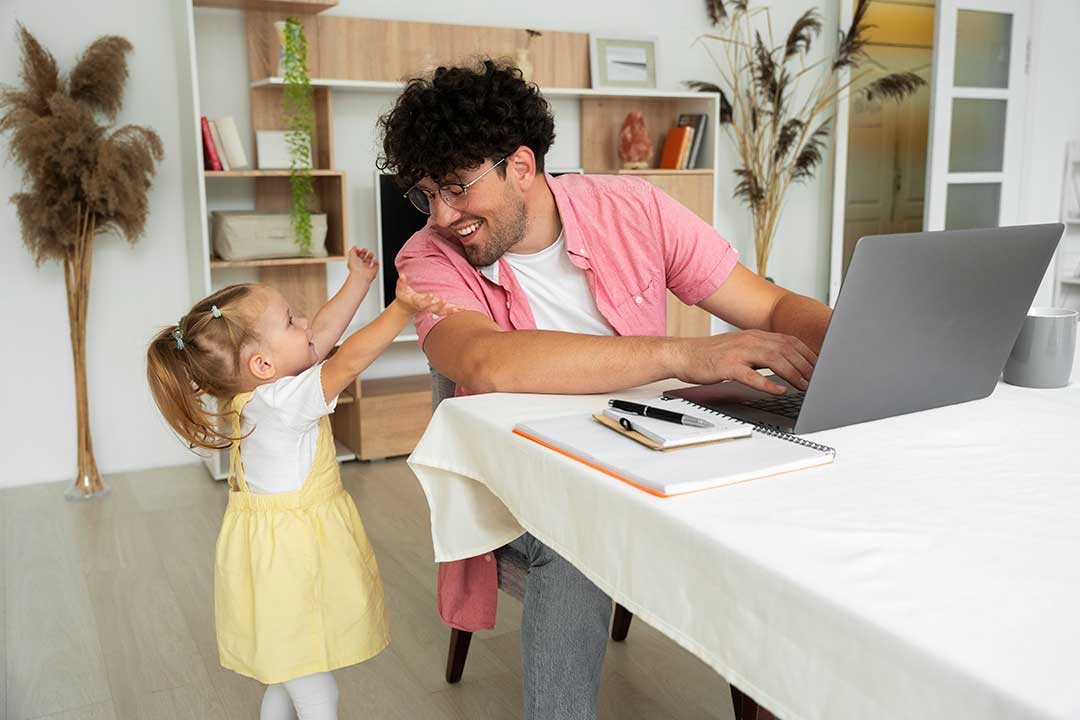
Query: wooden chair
[{"x": 512, "y": 567}]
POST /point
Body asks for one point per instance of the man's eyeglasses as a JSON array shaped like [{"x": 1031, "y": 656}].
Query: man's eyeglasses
[{"x": 453, "y": 194}]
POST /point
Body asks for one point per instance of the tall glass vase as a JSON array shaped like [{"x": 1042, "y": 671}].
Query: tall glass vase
[{"x": 77, "y": 266}]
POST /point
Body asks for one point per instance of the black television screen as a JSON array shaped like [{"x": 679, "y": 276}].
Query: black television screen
[{"x": 398, "y": 220}]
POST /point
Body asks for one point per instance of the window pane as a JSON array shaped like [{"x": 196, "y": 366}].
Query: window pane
[
  {"x": 974, "y": 205},
  {"x": 977, "y": 138},
  {"x": 983, "y": 42}
]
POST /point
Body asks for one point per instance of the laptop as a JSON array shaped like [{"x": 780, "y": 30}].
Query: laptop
[{"x": 923, "y": 320}]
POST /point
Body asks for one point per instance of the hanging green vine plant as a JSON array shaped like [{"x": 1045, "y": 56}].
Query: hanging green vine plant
[{"x": 300, "y": 123}]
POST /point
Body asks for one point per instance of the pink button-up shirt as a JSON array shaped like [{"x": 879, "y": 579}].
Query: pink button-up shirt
[{"x": 632, "y": 241}]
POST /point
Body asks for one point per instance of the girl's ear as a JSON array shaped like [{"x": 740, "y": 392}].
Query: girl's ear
[{"x": 260, "y": 366}]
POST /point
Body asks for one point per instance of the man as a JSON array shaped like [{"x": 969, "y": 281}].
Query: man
[{"x": 563, "y": 284}]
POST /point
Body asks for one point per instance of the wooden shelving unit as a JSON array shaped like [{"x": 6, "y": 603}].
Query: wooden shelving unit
[{"x": 381, "y": 418}]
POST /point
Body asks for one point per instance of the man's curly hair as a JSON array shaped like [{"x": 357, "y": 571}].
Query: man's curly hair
[{"x": 461, "y": 116}]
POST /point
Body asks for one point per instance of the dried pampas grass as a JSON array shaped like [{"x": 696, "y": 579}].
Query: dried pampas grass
[
  {"x": 79, "y": 178},
  {"x": 781, "y": 136}
]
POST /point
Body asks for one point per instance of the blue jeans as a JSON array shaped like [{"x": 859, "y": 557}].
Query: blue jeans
[{"x": 564, "y": 630}]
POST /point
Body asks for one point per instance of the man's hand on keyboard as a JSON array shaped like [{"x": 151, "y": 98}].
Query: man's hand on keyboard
[{"x": 738, "y": 355}]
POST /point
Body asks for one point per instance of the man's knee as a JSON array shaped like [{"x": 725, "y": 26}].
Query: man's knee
[{"x": 539, "y": 554}]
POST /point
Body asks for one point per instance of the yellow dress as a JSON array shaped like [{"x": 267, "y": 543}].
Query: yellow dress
[{"x": 296, "y": 587}]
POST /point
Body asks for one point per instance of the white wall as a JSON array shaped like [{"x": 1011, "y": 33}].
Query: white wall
[{"x": 136, "y": 290}]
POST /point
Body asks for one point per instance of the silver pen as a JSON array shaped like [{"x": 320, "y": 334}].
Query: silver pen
[{"x": 659, "y": 413}]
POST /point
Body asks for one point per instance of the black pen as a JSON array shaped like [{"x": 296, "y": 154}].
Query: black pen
[{"x": 659, "y": 414}]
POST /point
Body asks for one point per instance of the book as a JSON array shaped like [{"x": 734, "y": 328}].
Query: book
[
  {"x": 230, "y": 143},
  {"x": 216, "y": 136},
  {"x": 673, "y": 147},
  {"x": 765, "y": 453},
  {"x": 698, "y": 121},
  {"x": 209, "y": 147},
  {"x": 684, "y": 155},
  {"x": 663, "y": 435}
]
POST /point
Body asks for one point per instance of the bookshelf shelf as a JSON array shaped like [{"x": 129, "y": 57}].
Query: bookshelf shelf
[
  {"x": 661, "y": 171},
  {"x": 280, "y": 6},
  {"x": 381, "y": 86},
  {"x": 267, "y": 173},
  {"x": 275, "y": 262}
]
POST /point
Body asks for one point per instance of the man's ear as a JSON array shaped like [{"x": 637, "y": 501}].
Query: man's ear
[
  {"x": 260, "y": 366},
  {"x": 521, "y": 167}
]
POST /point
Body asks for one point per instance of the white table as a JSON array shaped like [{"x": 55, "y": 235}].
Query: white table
[{"x": 933, "y": 571}]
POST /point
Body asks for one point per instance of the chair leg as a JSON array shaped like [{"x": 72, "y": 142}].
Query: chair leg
[
  {"x": 459, "y": 650},
  {"x": 620, "y": 623},
  {"x": 745, "y": 707}
]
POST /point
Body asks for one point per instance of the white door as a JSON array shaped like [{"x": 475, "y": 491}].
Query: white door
[
  {"x": 976, "y": 113},
  {"x": 887, "y": 146}
]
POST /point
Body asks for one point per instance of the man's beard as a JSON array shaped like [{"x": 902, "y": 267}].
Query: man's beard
[{"x": 502, "y": 238}]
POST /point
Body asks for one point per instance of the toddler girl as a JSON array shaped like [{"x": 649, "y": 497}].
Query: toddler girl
[{"x": 297, "y": 592}]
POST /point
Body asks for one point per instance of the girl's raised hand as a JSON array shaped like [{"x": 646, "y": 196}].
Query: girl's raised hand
[
  {"x": 416, "y": 302},
  {"x": 363, "y": 264}
]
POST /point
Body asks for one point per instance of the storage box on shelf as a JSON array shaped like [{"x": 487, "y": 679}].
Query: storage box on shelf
[{"x": 386, "y": 417}]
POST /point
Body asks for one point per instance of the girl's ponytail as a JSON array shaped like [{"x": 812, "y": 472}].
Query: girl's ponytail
[
  {"x": 198, "y": 357},
  {"x": 175, "y": 393}
]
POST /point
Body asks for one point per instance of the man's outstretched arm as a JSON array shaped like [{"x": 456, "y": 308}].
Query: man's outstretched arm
[{"x": 475, "y": 353}]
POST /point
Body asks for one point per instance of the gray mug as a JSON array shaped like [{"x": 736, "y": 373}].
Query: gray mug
[{"x": 1043, "y": 354}]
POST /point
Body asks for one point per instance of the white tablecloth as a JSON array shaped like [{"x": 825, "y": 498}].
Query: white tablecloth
[{"x": 933, "y": 571}]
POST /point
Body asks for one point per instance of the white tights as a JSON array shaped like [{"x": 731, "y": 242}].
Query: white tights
[{"x": 312, "y": 697}]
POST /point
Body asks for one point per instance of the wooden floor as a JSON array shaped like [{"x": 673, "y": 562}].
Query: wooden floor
[{"x": 106, "y": 613}]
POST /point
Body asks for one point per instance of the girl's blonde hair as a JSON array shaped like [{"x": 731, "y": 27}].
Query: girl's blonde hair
[{"x": 201, "y": 355}]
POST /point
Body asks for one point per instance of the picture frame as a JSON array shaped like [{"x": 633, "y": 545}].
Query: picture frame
[{"x": 621, "y": 61}]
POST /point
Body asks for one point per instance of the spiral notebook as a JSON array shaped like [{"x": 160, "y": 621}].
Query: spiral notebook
[{"x": 765, "y": 453}]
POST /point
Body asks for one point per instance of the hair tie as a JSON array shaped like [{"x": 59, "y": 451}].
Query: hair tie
[
  {"x": 179, "y": 337},
  {"x": 214, "y": 311}
]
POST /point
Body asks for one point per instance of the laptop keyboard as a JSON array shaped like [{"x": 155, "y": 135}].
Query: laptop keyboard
[{"x": 787, "y": 405}]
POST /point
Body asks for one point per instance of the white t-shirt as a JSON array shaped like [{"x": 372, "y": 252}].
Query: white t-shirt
[
  {"x": 558, "y": 291},
  {"x": 285, "y": 414}
]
